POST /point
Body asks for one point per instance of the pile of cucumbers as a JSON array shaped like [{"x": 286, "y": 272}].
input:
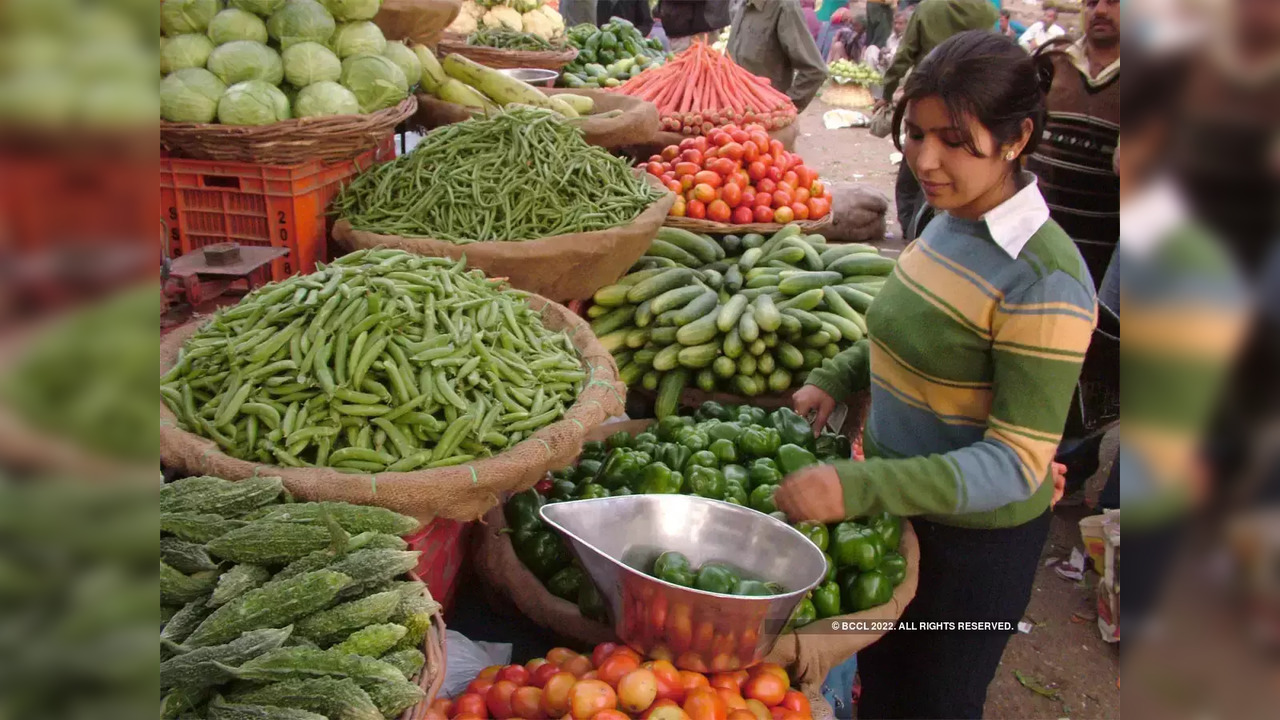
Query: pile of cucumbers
[
  {"x": 746, "y": 315},
  {"x": 609, "y": 55}
]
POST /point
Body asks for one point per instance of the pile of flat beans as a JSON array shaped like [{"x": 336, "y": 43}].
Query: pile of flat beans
[{"x": 383, "y": 361}]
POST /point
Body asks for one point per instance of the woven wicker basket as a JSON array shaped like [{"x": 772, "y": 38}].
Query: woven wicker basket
[
  {"x": 431, "y": 678},
  {"x": 710, "y": 227},
  {"x": 290, "y": 142},
  {"x": 505, "y": 59}
]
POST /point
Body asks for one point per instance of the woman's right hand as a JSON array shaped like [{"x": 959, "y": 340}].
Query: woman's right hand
[{"x": 811, "y": 399}]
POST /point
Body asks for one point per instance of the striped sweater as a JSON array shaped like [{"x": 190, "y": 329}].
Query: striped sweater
[{"x": 973, "y": 352}]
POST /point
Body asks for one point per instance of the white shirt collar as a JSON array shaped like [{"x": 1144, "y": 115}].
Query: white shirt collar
[
  {"x": 1151, "y": 216},
  {"x": 1014, "y": 221}
]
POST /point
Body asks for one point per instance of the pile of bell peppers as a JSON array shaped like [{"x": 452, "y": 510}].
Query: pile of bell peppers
[{"x": 737, "y": 454}]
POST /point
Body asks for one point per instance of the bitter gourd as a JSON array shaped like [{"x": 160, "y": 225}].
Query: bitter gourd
[
  {"x": 207, "y": 494},
  {"x": 414, "y": 612},
  {"x": 184, "y": 556},
  {"x": 237, "y": 581},
  {"x": 270, "y": 606},
  {"x": 183, "y": 703},
  {"x": 186, "y": 620},
  {"x": 300, "y": 663},
  {"x": 370, "y": 568},
  {"x": 270, "y": 543},
  {"x": 372, "y": 640},
  {"x": 391, "y": 698},
  {"x": 408, "y": 661},
  {"x": 329, "y": 626},
  {"x": 322, "y": 558},
  {"x": 220, "y": 709},
  {"x": 200, "y": 667},
  {"x": 336, "y": 699},
  {"x": 177, "y": 588},
  {"x": 166, "y": 614},
  {"x": 198, "y": 527},
  {"x": 353, "y": 518}
]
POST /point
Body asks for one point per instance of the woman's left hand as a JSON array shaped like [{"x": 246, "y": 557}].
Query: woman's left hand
[
  {"x": 1059, "y": 482},
  {"x": 812, "y": 493}
]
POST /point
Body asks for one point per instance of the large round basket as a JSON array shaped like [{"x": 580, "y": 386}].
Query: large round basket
[
  {"x": 500, "y": 59},
  {"x": 431, "y": 677},
  {"x": 331, "y": 139},
  {"x": 711, "y": 227},
  {"x": 458, "y": 492}
]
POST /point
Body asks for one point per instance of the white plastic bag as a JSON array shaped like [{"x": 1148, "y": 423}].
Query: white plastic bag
[{"x": 465, "y": 658}]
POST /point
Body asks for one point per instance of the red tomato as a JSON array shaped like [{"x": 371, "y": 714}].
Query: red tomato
[
  {"x": 724, "y": 166},
  {"x": 602, "y": 653},
  {"x": 709, "y": 177},
  {"x": 543, "y": 672},
  {"x": 555, "y": 694},
  {"x": 805, "y": 175},
  {"x": 696, "y": 209},
  {"x": 758, "y": 709},
  {"x": 739, "y": 136},
  {"x": 589, "y": 697},
  {"x": 801, "y": 195},
  {"x": 490, "y": 673},
  {"x": 760, "y": 138},
  {"x": 579, "y": 665},
  {"x": 796, "y": 701},
  {"x": 763, "y": 199},
  {"x": 731, "y": 194},
  {"x": 776, "y": 148},
  {"x": 687, "y": 143},
  {"x": 775, "y": 174},
  {"x": 721, "y": 138},
  {"x": 733, "y": 151},
  {"x": 691, "y": 156},
  {"x": 678, "y": 209},
  {"x": 618, "y": 665},
  {"x": 674, "y": 186},
  {"x": 470, "y": 716},
  {"x": 790, "y": 178},
  {"x": 705, "y": 704},
  {"x": 741, "y": 177},
  {"x": 786, "y": 187},
  {"x": 592, "y": 675},
  {"x": 773, "y": 668},
  {"x": 818, "y": 208},
  {"x": 748, "y": 197},
  {"x": 630, "y": 652},
  {"x": 793, "y": 715},
  {"x": 471, "y": 704},
  {"x": 732, "y": 700},
  {"x": 433, "y": 714},
  {"x": 610, "y": 715},
  {"x": 728, "y": 680},
  {"x": 444, "y": 706},
  {"x": 686, "y": 183},
  {"x": 783, "y": 215},
  {"x": 665, "y": 710},
  {"x": 781, "y": 197},
  {"x": 766, "y": 687},
  {"x": 764, "y": 214},
  {"x": 526, "y": 702},
  {"x": 703, "y": 193},
  {"x": 670, "y": 152},
  {"x": 766, "y": 185},
  {"x": 515, "y": 673},
  {"x": 700, "y": 143},
  {"x": 655, "y": 158},
  {"x": 637, "y": 690},
  {"x": 750, "y": 151},
  {"x": 479, "y": 687},
  {"x": 742, "y": 715},
  {"x": 682, "y": 169},
  {"x": 801, "y": 210},
  {"x": 498, "y": 699},
  {"x": 756, "y": 171},
  {"x": 817, "y": 189},
  {"x": 719, "y": 211},
  {"x": 655, "y": 168},
  {"x": 742, "y": 215}
]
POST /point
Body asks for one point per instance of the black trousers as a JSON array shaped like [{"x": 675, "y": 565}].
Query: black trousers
[{"x": 965, "y": 575}]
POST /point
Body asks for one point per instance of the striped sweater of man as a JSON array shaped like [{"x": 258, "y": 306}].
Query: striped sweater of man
[{"x": 974, "y": 348}]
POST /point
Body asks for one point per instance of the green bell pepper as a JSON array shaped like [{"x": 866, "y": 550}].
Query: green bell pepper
[
  {"x": 621, "y": 492},
  {"x": 831, "y": 569},
  {"x": 670, "y": 426},
  {"x": 675, "y": 456},
  {"x": 736, "y": 473},
  {"x": 562, "y": 490},
  {"x": 674, "y": 567},
  {"x": 710, "y": 411},
  {"x": 753, "y": 588},
  {"x": 645, "y": 438},
  {"x": 590, "y": 604},
  {"x": 762, "y": 499},
  {"x": 894, "y": 567},
  {"x": 620, "y": 468},
  {"x": 592, "y": 490},
  {"x": 716, "y": 578},
  {"x": 521, "y": 511},
  {"x": 725, "y": 431},
  {"x": 826, "y": 599},
  {"x": 794, "y": 429},
  {"x": 792, "y": 457},
  {"x": 764, "y": 471},
  {"x": 853, "y": 545},
  {"x": 816, "y": 532},
  {"x": 889, "y": 528},
  {"x": 693, "y": 439},
  {"x": 657, "y": 479},
  {"x": 542, "y": 552},
  {"x": 864, "y": 591},
  {"x": 587, "y": 471},
  {"x": 707, "y": 482},
  {"x": 804, "y": 614},
  {"x": 701, "y": 458},
  {"x": 736, "y": 494},
  {"x": 620, "y": 439},
  {"x": 752, "y": 415},
  {"x": 566, "y": 583},
  {"x": 758, "y": 442},
  {"x": 594, "y": 450},
  {"x": 724, "y": 451}
]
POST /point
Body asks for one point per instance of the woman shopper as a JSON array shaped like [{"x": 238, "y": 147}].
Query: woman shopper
[{"x": 974, "y": 347}]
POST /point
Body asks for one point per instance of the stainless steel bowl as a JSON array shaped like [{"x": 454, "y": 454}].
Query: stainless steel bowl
[
  {"x": 617, "y": 540},
  {"x": 534, "y": 76}
]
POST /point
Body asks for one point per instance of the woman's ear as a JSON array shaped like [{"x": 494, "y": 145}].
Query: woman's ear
[{"x": 1014, "y": 148}]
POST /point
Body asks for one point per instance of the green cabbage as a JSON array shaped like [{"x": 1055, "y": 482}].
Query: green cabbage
[
  {"x": 358, "y": 38},
  {"x": 376, "y": 81},
  {"x": 253, "y": 102},
  {"x": 178, "y": 17},
  {"x": 232, "y": 24},
  {"x": 309, "y": 62},
  {"x": 301, "y": 21},
  {"x": 348, "y": 10},
  {"x": 325, "y": 98},
  {"x": 242, "y": 60},
  {"x": 409, "y": 63},
  {"x": 261, "y": 8},
  {"x": 185, "y": 51},
  {"x": 190, "y": 95}
]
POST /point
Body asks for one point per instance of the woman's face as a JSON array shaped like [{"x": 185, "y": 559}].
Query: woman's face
[{"x": 954, "y": 179}]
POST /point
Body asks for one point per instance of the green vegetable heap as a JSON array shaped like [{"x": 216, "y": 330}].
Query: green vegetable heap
[
  {"x": 288, "y": 610},
  {"x": 845, "y": 72},
  {"x": 521, "y": 174},
  {"x": 507, "y": 39},
  {"x": 381, "y": 362},
  {"x": 736, "y": 454},
  {"x": 609, "y": 55},
  {"x": 745, "y": 314},
  {"x": 714, "y": 577}
]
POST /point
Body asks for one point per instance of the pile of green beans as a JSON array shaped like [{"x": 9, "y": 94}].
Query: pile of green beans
[
  {"x": 507, "y": 39},
  {"x": 383, "y": 361},
  {"x": 521, "y": 174}
]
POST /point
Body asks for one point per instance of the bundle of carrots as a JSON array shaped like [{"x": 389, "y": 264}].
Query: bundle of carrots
[{"x": 701, "y": 90}]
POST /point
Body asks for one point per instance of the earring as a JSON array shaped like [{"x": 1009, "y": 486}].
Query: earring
[{"x": 1010, "y": 155}]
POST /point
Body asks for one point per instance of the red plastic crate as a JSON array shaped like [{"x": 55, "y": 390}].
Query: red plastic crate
[
  {"x": 443, "y": 544},
  {"x": 203, "y": 202}
]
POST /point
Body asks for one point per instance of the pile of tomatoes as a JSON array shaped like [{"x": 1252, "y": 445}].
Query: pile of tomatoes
[
  {"x": 615, "y": 683},
  {"x": 739, "y": 175}
]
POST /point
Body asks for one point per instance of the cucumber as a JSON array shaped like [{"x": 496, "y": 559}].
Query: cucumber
[
  {"x": 746, "y": 385},
  {"x": 754, "y": 273},
  {"x": 613, "y": 295},
  {"x": 720, "y": 266},
  {"x": 833, "y": 253},
  {"x": 700, "y": 247},
  {"x": 730, "y": 313},
  {"x": 812, "y": 359},
  {"x": 849, "y": 330},
  {"x": 733, "y": 278},
  {"x": 731, "y": 244},
  {"x": 645, "y": 356},
  {"x": 767, "y": 315},
  {"x": 816, "y": 241},
  {"x": 733, "y": 347},
  {"x": 724, "y": 367},
  {"x": 635, "y": 277},
  {"x": 831, "y": 331},
  {"x": 787, "y": 231},
  {"x": 637, "y": 338},
  {"x": 615, "y": 320},
  {"x": 614, "y": 341},
  {"x": 700, "y": 331},
  {"x": 770, "y": 339},
  {"x": 631, "y": 373},
  {"x": 661, "y": 336},
  {"x": 765, "y": 364},
  {"x": 750, "y": 258},
  {"x": 747, "y": 327},
  {"x": 658, "y": 284},
  {"x": 816, "y": 340},
  {"x": 598, "y": 310},
  {"x": 808, "y": 322},
  {"x": 789, "y": 356},
  {"x": 858, "y": 300},
  {"x": 811, "y": 258},
  {"x": 807, "y": 300},
  {"x": 644, "y": 314},
  {"x": 664, "y": 249},
  {"x": 747, "y": 365},
  {"x": 800, "y": 282},
  {"x": 757, "y": 348},
  {"x": 863, "y": 264},
  {"x": 856, "y": 280},
  {"x": 752, "y": 240},
  {"x": 706, "y": 380},
  {"x": 712, "y": 279},
  {"x": 705, "y": 303},
  {"x": 779, "y": 380},
  {"x": 675, "y": 299},
  {"x": 699, "y": 356},
  {"x": 668, "y": 358},
  {"x": 650, "y": 380},
  {"x": 787, "y": 254},
  {"x": 763, "y": 281},
  {"x": 790, "y": 327},
  {"x": 669, "y": 389}
]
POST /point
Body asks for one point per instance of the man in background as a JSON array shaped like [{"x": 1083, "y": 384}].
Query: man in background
[
  {"x": 637, "y": 12},
  {"x": 1042, "y": 32},
  {"x": 687, "y": 21},
  {"x": 879, "y": 57},
  {"x": 1005, "y": 27},
  {"x": 576, "y": 12},
  {"x": 769, "y": 38}
]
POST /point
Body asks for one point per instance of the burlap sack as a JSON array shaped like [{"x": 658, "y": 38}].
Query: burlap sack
[
  {"x": 857, "y": 214},
  {"x": 462, "y": 492},
  {"x": 419, "y": 21},
  {"x": 637, "y": 123},
  {"x": 561, "y": 267}
]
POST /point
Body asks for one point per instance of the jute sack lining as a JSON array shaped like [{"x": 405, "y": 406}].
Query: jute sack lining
[
  {"x": 561, "y": 267},
  {"x": 461, "y": 492}
]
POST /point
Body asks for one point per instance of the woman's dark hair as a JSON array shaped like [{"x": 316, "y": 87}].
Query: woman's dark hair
[{"x": 986, "y": 75}]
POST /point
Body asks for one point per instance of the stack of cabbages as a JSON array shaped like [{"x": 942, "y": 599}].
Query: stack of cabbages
[{"x": 258, "y": 62}]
